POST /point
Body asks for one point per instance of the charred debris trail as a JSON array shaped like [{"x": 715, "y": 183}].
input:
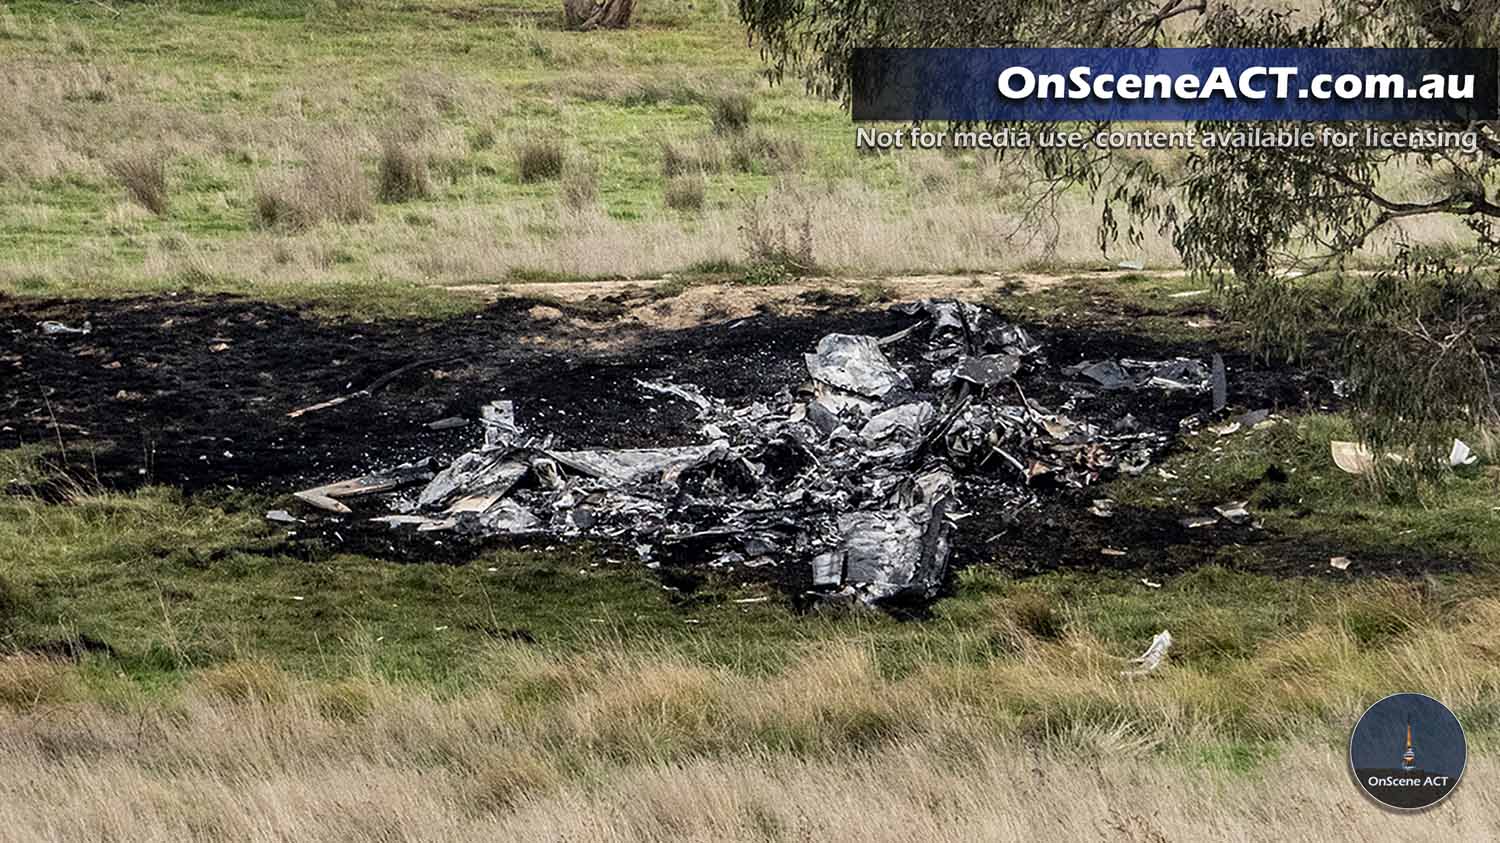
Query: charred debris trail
[{"x": 849, "y": 454}]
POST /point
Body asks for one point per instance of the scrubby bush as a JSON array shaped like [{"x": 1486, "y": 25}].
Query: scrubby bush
[
  {"x": 685, "y": 192},
  {"x": 1033, "y": 613},
  {"x": 580, "y": 186},
  {"x": 1418, "y": 343},
  {"x": 482, "y": 139},
  {"x": 330, "y": 186},
  {"x": 772, "y": 249},
  {"x": 679, "y": 158},
  {"x": 731, "y": 112},
  {"x": 403, "y": 171},
  {"x": 758, "y": 151},
  {"x": 539, "y": 158},
  {"x": 144, "y": 175}
]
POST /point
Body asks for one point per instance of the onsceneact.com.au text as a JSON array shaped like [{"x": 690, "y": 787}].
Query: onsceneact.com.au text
[{"x": 1255, "y": 83}]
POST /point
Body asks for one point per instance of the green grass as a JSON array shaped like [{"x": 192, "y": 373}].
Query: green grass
[
  {"x": 233, "y": 91},
  {"x": 1287, "y": 474},
  {"x": 173, "y": 584}
]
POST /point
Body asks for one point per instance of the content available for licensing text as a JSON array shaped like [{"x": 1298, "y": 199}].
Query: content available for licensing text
[{"x": 1392, "y": 136}]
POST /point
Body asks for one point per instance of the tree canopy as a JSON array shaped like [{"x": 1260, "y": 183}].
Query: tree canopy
[{"x": 1253, "y": 219}]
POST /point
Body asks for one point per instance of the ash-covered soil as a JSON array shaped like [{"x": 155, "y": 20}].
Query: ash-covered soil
[{"x": 194, "y": 392}]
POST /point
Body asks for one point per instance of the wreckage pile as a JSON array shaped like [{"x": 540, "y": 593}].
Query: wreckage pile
[{"x": 860, "y": 473}]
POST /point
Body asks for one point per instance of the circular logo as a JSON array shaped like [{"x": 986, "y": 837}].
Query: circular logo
[{"x": 1408, "y": 752}]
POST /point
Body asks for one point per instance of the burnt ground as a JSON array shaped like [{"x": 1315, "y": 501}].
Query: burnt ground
[{"x": 194, "y": 391}]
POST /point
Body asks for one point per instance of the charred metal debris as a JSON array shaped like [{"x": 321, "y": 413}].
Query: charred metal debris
[{"x": 860, "y": 473}]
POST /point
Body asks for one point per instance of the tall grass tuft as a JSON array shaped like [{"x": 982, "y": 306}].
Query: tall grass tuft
[
  {"x": 331, "y": 186},
  {"x": 539, "y": 158},
  {"x": 144, "y": 175}
]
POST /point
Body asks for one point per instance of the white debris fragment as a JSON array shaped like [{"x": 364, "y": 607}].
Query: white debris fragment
[
  {"x": 1234, "y": 512},
  {"x": 1339, "y": 563},
  {"x": 53, "y": 328},
  {"x": 1461, "y": 454},
  {"x": 1152, "y": 659}
]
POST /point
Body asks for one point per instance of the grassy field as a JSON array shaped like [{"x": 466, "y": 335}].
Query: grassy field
[{"x": 279, "y": 146}]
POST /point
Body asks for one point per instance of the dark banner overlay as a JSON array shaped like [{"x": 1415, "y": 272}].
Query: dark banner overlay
[{"x": 1319, "y": 85}]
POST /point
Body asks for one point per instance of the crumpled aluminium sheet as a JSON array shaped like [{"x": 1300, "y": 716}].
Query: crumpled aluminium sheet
[{"x": 859, "y": 475}]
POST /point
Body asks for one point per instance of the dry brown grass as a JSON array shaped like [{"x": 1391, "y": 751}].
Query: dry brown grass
[
  {"x": 331, "y": 185},
  {"x": 144, "y": 176},
  {"x": 730, "y": 112},
  {"x": 403, "y": 173},
  {"x": 685, "y": 192},
  {"x": 539, "y": 158},
  {"x": 697, "y": 156},
  {"x": 635, "y": 741},
  {"x": 580, "y": 186},
  {"x": 1038, "y": 739}
]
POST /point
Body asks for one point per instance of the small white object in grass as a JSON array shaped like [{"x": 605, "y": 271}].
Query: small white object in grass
[
  {"x": 440, "y": 629},
  {"x": 1131, "y": 265},
  {"x": 1150, "y": 584},
  {"x": 1234, "y": 511},
  {"x": 1187, "y": 294},
  {"x": 1339, "y": 563},
  {"x": 1112, "y": 551},
  {"x": 1461, "y": 454},
  {"x": 1153, "y": 657},
  {"x": 299, "y": 598}
]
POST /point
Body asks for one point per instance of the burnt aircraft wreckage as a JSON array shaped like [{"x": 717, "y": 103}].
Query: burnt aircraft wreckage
[{"x": 860, "y": 473}]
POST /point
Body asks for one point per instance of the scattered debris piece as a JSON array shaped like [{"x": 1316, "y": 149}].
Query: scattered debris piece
[
  {"x": 1131, "y": 264},
  {"x": 1255, "y": 419},
  {"x": 1187, "y": 294},
  {"x": 450, "y": 423},
  {"x": 327, "y": 497},
  {"x": 281, "y": 516},
  {"x": 218, "y": 347},
  {"x": 1234, "y": 512},
  {"x": 1355, "y": 458},
  {"x": 1103, "y": 508},
  {"x": 52, "y": 328},
  {"x": 1193, "y": 522},
  {"x": 1178, "y": 374},
  {"x": 1150, "y": 583},
  {"x": 1351, "y": 457},
  {"x": 374, "y": 387},
  {"x": 1152, "y": 659},
  {"x": 1112, "y": 551},
  {"x": 1339, "y": 563}
]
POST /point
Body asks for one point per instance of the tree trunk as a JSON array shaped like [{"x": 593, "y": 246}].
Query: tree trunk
[{"x": 597, "y": 14}]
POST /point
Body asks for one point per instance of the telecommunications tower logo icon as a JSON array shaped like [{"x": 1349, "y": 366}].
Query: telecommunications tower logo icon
[{"x": 1408, "y": 752}]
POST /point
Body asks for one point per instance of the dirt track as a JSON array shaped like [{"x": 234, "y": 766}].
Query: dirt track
[{"x": 195, "y": 392}]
